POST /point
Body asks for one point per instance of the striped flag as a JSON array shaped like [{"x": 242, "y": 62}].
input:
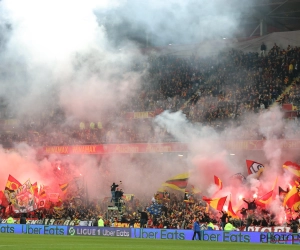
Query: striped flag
[
  {"x": 216, "y": 203},
  {"x": 292, "y": 199},
  {"x": 178, "y": 182},
  {"x": 218, "y": 182}
]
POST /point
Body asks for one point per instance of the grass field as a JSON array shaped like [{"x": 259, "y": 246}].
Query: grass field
[{"x": 24, "y": 241}]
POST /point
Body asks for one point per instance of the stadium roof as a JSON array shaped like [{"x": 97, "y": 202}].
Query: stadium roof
[{"x": 279, "y": 15}]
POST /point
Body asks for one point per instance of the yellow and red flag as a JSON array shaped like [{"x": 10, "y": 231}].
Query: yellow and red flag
[
  {"x": 268, "y": 197},
  {"x": 265, "y": 199},
  {"x": 230, "y": 210},
  {"x": 292, "y": 168},
  {"x": 12, "y": 183},
  {"x": 178, "y": 182},
  {"x": 216, "y": 203},
  {"x": 64, "y": 187},
  {"x": 292, "y": 199}
]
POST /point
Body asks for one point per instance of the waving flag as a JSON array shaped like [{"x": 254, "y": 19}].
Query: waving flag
[
  {"x": 292, "y": 168},
  {"x": 64, "y": 187},
  {"x": 178, "y": 182},
  {"x": 230, "y": 210},
  {"x": 218, "y": 182},
  {"x": 265, "y": 199},
  {"x": 216, "y": 203},
  {"x": 12, "y": 183},
  {"x": 292, "y": 199},
  {"x": 254, "y": 167}
]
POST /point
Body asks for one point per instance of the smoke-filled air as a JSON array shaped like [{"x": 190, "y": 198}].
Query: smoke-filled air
[{"x": 122, "y": 75}]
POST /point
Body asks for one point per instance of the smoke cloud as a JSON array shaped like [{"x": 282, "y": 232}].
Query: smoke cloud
[{"x": 82, "y": 57}]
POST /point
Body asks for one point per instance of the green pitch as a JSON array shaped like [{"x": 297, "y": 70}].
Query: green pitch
[{"x": 24, "y": 242}]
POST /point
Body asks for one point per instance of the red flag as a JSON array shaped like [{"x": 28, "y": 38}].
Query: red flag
[
  {"x": 216, "y": 203},
  {"x": 254, "y": 167},
  {"x": 12, "y": 183},
  {"x": 218, "y": 182}
]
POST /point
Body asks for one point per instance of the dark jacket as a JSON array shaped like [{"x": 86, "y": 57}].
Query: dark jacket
[{"x": 23, "y": 220}]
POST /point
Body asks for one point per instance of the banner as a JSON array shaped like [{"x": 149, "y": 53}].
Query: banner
[
  {"x": 140, "y": 115},
  {"x": 22, "y": 199},
  {"x": 33, "y": 229},
  {"x": 100, "y": 231},
  {"x": 270, "y": 237},
  {"x": 218, "y": 236},
  {"x": 159, "y": 147}
]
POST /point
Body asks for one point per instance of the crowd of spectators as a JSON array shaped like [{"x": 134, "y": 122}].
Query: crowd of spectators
[
  {"x": 176, "y": 213},
  {"x": 216, "y": 91}
]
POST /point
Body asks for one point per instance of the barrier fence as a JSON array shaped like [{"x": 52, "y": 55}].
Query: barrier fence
[{"x": 158, "y": 234}]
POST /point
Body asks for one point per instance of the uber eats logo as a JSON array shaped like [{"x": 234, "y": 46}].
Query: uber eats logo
[
  {"x": 159, "y": 234},
  {"x": 225, "y": 236}
]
